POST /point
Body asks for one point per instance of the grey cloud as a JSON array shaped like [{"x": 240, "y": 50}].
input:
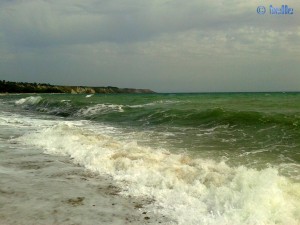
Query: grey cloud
[
  {"x": 166, "y": 45},
  {"x": 47, "y": 23}
]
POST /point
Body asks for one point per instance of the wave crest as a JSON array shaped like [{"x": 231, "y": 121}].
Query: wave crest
[
  {"x": 32, "y": 100},
  {"x": 99, "y": 109},
  {"x": 190, "y": 190}
]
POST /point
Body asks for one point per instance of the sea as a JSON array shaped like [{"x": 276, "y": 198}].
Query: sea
[{"x": 197, "y": 158}]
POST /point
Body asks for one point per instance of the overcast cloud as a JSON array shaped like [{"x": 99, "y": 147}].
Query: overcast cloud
[{"x": 164, "y": 45}]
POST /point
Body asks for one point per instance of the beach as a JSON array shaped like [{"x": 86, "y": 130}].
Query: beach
[
  {"x": 39, "y": 188},
  {"x": 150, "y": 159}
]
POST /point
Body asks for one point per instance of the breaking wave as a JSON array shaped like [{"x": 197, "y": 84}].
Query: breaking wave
[
  {"x": 32, "y": 100},
  {"x": 166, "y": 112},
  {"x": 99, "y": 109},
  {"x": 188, "y": 190}
]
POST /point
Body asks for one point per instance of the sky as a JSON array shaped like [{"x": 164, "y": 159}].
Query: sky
[{"x": 163, "y": 45}]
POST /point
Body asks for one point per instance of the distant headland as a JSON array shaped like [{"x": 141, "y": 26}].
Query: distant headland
[{"x": 24, "y": 87}]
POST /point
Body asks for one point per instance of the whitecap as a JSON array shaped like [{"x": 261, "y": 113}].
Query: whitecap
[
  {"x": 99, "y": 109},
  {"x": 188, "y": 190},
  {"x": 32, "y": 100}
]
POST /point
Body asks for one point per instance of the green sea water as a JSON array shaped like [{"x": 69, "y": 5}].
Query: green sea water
[
  {"x": 254, "y": 134},
  {"x": 254, "y": 129}
]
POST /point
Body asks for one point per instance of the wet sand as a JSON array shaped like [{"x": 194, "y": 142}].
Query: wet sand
[{"x": 41, "y": 189}]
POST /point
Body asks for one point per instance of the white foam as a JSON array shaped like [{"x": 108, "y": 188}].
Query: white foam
[
  {"x": 108, "y": 108},
  {"x": 100, "y": 109},
  {"x": 190, "y": 191},
  {"x": 32, "y": 100},
  {"x": 292, "y": 169},
  {"x": 141, "y": 105},
  {"x": 165, "y": 102}
]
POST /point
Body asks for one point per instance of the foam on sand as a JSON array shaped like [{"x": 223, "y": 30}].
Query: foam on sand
[
  {"x": 188, "y": 190},
  {"x": 36, "y": 188}
]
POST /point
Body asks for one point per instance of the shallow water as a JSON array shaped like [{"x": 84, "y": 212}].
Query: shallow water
[
  {"x": 194, "y": 158},
  {"x": 38, "y": 188}
]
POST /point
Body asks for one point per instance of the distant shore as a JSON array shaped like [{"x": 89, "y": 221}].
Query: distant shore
[{"x": 23, "y": 87}]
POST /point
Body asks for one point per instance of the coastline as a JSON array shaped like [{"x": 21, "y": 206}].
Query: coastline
[
  {"x": 134, "y": 140},
  {"x": 42, "y": 189},
  {"x": 24, "y": 87}
]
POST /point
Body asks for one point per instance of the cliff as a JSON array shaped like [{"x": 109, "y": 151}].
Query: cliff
[{"x": 21, "y": 87}]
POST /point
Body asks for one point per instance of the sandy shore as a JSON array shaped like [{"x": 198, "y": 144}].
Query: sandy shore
[{"x": 41, "y": 189}]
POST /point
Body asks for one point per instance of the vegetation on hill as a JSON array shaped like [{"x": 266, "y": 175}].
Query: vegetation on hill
[{"x": 23, "y": 87}]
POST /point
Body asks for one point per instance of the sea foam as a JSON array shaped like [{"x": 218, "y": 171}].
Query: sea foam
[
  {"x": 32, "y": 100},
  {"x": 187, "y": 190},
  {"x": 99, "y": 109}
]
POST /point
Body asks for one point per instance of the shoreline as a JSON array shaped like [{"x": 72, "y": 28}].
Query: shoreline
[
  {"x": 154, "y": 148},
  {"x": 24, "y": 87},
  {"x": 41, "y": 189}
]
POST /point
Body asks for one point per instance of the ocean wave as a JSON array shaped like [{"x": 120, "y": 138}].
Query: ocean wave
[
  {"x": 99, "y": 109},
  {"x": 219, "y": 116},
  {"x": 164, "y": 112},
  {"x": 32, "y": 100},
  {"x": 188, "y": 190},
  {"x": 154, "y": 103},
  {"x": 62, "y": 107},
  {"x": 141, "y": 105}
]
